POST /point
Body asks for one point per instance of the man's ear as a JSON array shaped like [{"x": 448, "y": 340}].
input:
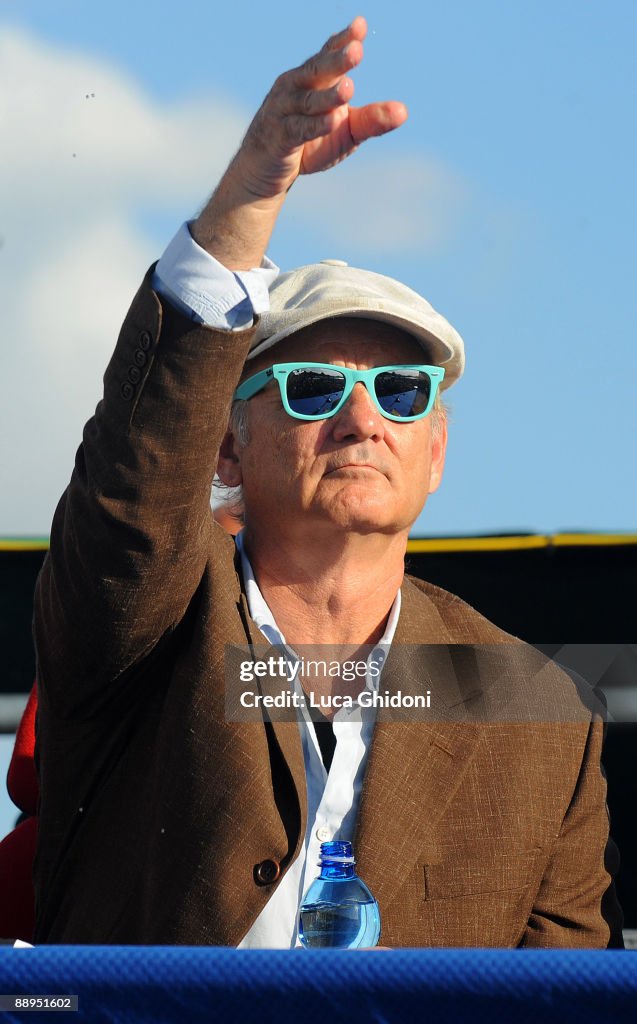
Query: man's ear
[
  {"x": 438, "y": 452},
  {"x": 229, "y": 464}
]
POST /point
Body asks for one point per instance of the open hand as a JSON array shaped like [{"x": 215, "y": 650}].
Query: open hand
[{"x": 306, "y": 123}]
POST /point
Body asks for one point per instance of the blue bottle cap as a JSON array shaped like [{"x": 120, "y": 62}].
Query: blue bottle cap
[{"x": 336, "y": 851}]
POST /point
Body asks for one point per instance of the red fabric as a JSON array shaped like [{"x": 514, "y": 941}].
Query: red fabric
[
  {"x": 17, "y": 912},
  {"x": 22, "y": 780}
]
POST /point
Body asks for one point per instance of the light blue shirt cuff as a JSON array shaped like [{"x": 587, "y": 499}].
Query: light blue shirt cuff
[{"x": 202, "y": 288}]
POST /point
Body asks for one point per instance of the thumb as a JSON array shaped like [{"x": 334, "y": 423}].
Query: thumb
[{"x": 376, "y": 119}]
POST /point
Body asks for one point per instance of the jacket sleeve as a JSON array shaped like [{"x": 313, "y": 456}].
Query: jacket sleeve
[
  {"x": 132, "y": 533},
  {"x": 576, "y": 905}
]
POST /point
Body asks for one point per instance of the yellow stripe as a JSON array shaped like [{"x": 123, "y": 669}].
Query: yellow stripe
[
  {"x": 24, "y": 544},
  {"x": 518, "y": 543},
  {"x": 593, "y": 539},
  {"x": 434, "y": 544},
  {"x": 476, "y": 544}
]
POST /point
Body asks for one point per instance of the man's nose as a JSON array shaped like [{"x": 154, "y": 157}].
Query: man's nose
[{"x": 359, "y": 419}]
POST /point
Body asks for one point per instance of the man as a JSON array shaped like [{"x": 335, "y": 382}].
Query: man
[{"x": 162, "y": 818}]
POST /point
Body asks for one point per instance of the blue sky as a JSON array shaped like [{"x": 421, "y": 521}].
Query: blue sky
[{"x": 507, "y": 200}]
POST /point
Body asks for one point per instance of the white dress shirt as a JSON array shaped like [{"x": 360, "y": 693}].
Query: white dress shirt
[{"x": 332, "y": 798}]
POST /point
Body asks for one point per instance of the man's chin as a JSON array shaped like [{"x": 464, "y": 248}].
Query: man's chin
[
  {"x": 362, "y": 506},
  {"x": 364, "y": 517}
]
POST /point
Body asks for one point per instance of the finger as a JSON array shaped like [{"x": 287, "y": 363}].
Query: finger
[
  {"x": 299, "y": 128},
  {"x": 320, "y": 101},
  {"x": 357, "y": 29},
  {"x": 324, "y": 67},
  {"x": 376, "y": 119}
]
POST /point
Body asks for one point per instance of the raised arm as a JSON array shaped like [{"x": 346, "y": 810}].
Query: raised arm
[
  {"x": 132, "y": 534},
  {"x": 305, "y": 124}
]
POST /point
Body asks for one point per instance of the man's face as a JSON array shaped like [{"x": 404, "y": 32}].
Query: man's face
[{"x": 356, "y": 471}]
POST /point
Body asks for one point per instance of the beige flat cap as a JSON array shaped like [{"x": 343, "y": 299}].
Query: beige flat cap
[{"x": 331, "y": 288}]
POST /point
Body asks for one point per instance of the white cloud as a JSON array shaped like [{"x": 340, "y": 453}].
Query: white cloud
[
  {"x": 73, "y": 125},
  {"x": 86, "y": 155},
  {"x": 71, "y": 254},
  {"x": 403, "y": 203}
]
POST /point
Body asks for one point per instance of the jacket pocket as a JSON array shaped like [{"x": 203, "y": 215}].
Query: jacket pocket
[{"x": 481, "y": 868}]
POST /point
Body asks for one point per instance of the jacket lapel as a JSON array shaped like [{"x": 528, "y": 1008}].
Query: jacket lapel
[
  {"x": 416, "y": 766},
  {"x": 286, "y": 732}
]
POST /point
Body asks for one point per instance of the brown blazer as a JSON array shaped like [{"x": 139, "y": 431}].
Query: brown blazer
[{"x": 161, "y": 822}]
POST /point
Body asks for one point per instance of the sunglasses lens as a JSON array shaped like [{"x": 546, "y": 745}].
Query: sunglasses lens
[
  {"x": 403, "y": 393},
  {"x": 314, "y": 391}
]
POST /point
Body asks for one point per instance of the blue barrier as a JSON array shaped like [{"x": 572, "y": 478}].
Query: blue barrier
[{"x": 156, "y": 984}]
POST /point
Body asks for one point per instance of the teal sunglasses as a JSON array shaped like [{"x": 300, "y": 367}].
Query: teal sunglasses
[{"x": 316, "y": 391}]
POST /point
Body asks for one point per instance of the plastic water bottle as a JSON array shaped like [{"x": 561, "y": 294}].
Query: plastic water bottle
[{"x": 338, "y": 910}]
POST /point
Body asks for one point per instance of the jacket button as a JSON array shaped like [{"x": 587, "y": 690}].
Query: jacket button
[
  {"x": 134, "y": 374},
  {"x": 267, "y": 872},
  {"x": 140, "y": 357},
  {"x": 145, "y": 341},
  {"x": 127, "y": 391}
]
